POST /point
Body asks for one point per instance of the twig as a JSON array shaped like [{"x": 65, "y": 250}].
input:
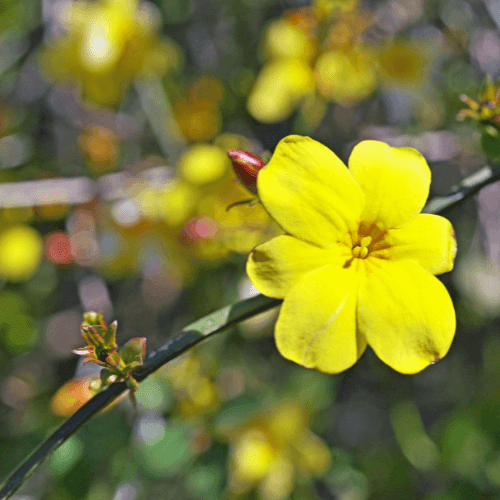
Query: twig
[
  {"x": 468, "y": 187},
  {"x": 190, "y": 336}
]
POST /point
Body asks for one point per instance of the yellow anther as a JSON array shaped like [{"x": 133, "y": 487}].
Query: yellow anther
[
  {"x": 366, "y": 241},
  {"x": 361, "y": 251}
]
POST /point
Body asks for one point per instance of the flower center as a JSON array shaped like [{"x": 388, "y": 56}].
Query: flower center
[{"x": 361, "y": 251}]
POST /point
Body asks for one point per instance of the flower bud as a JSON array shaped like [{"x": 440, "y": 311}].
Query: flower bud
[{"x": 246, "y": 166}]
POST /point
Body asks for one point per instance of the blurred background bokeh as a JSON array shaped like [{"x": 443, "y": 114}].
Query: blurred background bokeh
[{"x": 115, "y": 119}]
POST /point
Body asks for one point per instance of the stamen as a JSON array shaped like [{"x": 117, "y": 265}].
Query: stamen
[
  {"x": 366, "y": 241},
  {"x": 361, "y": 251}
]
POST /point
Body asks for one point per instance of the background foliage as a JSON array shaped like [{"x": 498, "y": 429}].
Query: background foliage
[{"x": 114, "y": 122}]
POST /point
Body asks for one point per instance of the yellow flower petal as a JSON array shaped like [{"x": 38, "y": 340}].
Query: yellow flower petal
[
  {"x": 406, "y": 314},
  {"x": 277, "y": 265},
  {"x": 428, "y": 240},
  {"x": 395, "y": 182},
  {"x": 317, "y": 323},
  {"x": 309, "y": 192}
]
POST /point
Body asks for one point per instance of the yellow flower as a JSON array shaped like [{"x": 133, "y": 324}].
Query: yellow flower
[
  {"x": 269, "y": 451},
  {"x": 108, "y": 44},
  {"x": 357, "y": 263}
]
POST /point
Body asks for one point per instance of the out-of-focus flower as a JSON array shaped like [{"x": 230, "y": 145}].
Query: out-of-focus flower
[
  {"x": 279, "y": 88},
  {"x": 198, "y": 115},
  {"x": 21, "y": 251},
  {"x": 325, "y": 8},
  {"x": 272, "y": 451},
  {"x": 309, "y": 51},
  {"x": 194, "y": 207},
  {"x": 195, "y": 392},
  {"x": 58, "y": 248},
  {"x": 108, "y": 44},
  {"x": 346, "y": 76},
  {"x": 204, "y": 164},
  {"x": 357, "y": 264},
  {"x": 287, "y": 76},
  {"x": 403, "y": 62},
  {"x": 71, "y": 396},
  {"x": 101, "y": 149}
]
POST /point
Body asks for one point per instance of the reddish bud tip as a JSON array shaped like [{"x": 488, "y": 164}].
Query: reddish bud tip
[{"x": 246, "y": 166}]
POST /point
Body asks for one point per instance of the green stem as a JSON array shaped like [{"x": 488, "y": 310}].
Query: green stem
[{"x": 202, "y": 329}]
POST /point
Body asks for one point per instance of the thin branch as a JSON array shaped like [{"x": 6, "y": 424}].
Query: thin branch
[
  {"x": 202, "y": 329},
  {"x": 190, "y": 336},
  {"x": 468, "y": 187}
]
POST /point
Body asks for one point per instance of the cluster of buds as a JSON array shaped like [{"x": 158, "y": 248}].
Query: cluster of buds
[
  {"x": 246, "y": 167},
  {"x": 486, "y": 110},
  {"x": 101, "y": 349}
]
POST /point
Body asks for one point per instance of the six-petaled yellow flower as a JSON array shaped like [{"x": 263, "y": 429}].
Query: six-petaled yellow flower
[{"x": 357, "y": 264}]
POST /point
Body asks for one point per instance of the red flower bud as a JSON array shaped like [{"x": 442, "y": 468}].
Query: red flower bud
[{"x": 246, "y": 166}]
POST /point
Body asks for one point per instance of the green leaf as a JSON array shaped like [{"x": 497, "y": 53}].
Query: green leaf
[
  {"x": 133, "y": 352},
  {"x": 113, "y": 358},
  {"x": 491, "y": 145},
  {"x": 110, "y": 335}
]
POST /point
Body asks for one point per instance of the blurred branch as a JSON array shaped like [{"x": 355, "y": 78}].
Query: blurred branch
[
  {"x": 493, "y": 8},
  {"x": 156, "y": 105},
  {"x": 110, "y": 187},
  {"x": 193, "y": 334},
  {"x": 468, "y": 187}
]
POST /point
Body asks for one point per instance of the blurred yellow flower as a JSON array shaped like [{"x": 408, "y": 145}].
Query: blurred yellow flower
[
  {"x": 403, "y": 62},
  {"x": 198, "y": 116},
  {"x": 193, "y": 206},
  {"x": 309, "y": 51},
  {"x": 347, "y": 76},
  {"x": 271, "y": 451},
  {"x": 279, "y": 88},
  {"x": 108, "y": 44},
  {"x": 288, "y": 41},
  {"x": 357, "y": 262},
  {"x": 101, "y": 149},
  {"x": 324, "y": 8},
  {"x": 21, "y": 251},
  {"x": 195, "y": 392},
  {"x": 204, "y": 164}
]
